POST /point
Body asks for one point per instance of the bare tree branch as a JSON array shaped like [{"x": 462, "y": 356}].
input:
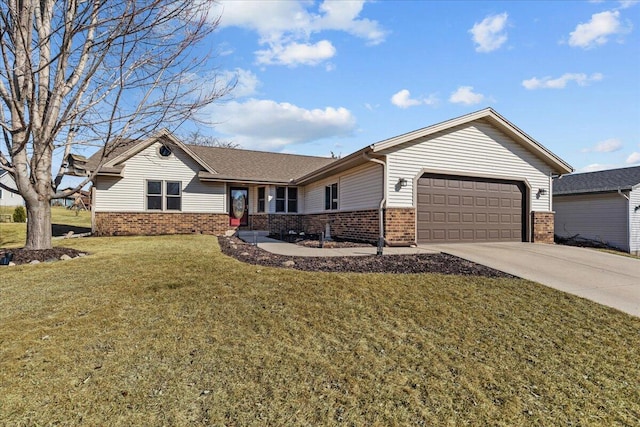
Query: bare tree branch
[{"x": 93, "y": 73}]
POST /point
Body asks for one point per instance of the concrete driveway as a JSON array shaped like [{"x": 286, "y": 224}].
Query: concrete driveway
[{"x": 608, "y": 279}]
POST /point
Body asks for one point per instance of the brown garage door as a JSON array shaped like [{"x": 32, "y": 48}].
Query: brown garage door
[{"x": 461, "y": 209}]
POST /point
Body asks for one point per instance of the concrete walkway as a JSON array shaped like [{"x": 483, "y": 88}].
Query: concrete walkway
[
  {"x": 283, "y": 248},
  {"x": 609, "y": 279}
]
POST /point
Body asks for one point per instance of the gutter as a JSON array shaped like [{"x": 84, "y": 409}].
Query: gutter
[
  {"x": 383, "y": 201},
  {"x": 623, "y": 195}
]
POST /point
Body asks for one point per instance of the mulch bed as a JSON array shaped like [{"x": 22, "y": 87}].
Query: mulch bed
[
  {"x": 25, "y": 256},
  {"x": 402, "y": 264}
]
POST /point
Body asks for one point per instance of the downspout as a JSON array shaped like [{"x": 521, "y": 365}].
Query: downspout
[
  {"x": 628, "y": 221},
  {"x": 383, "y": 202}
]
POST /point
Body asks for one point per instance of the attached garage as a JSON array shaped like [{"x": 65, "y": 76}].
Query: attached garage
[{"x": 469, "y": 209}]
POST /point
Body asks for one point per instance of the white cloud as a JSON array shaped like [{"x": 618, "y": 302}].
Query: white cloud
[
  {"x": 596, "y": 167},
  {"x": 489, "y": 34},
  {"x": 606, "y": 146},
  {"x": 246, "y": 82},
  {"x": 286, "y": 27},
  {"x": 295, "y": 54},
  {"x": 598, "y": 30},
  {"x": 634, "y": 158},
  {"x": 270, "y": 125},
  {"x": 402, "y": 99},
  {"x": 561, "y": 82},
  {"x": 465, "y": 95},
  {"x": 624, "y": 4}
]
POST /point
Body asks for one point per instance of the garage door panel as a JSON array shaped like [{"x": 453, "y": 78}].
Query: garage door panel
[{"x": 462, "y": 209}]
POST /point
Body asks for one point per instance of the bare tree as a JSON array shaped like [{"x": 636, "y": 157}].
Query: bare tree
[
  {"x": 197, "y": 138},
  {"x": 94, "y": 73}
]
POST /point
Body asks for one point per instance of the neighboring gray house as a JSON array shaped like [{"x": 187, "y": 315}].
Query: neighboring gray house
[
  {"x": 7, "y": 198},
  {"x": 603, "y": 206},
  {"x": 473, "y": 178}
]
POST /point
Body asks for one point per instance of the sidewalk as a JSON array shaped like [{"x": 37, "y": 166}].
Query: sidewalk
[{"x": 290, "y": 249}]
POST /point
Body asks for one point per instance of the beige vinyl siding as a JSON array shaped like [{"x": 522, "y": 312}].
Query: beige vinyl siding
[
  {"x": 358, "y": 189},
  {"x": 127, "y": 194},
  {"x": 476, "y": 149},
  {"x": 634, "y": 220},
  {"x": 600, "y": 217}
]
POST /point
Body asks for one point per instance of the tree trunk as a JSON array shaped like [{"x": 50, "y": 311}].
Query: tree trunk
[{"x": 38, "y": 224}]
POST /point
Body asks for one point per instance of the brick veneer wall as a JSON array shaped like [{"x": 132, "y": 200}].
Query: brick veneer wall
[
  {"x": 153, "y": 223},
  {"x": 355, "y": 225},
  {"x": 542, "y": 227},
  {"x": 400, "y": 226}
]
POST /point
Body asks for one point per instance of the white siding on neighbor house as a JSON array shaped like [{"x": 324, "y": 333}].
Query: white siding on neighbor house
[
  {"x": 477, "y": 149},
  {"x": 600, "y": 217},
  {"x": 634, "y": 220},
  {"x": 8, "y": 198},
  {"x": 127, "y": 194},
  {"x": 358, "y": 189}
]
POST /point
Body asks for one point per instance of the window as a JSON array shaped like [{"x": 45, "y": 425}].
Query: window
[
  {"x": 286, "y": 199},
  {"x": 164, "y": 151},
  {"x": 154, "y": 195},
  {"x": 173, "y": 196},
  {"x": 292, "y": 199},
  {"x": 164, "y": 195},
  {"x": 331, "y": 197},
  {"x": 261, "y": 199}
]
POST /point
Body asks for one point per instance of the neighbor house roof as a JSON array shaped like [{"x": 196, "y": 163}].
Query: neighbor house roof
[{"x": 597, "y": 182}]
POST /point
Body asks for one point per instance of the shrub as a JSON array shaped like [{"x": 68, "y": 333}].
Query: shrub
[{"x": 19, "y": 214}]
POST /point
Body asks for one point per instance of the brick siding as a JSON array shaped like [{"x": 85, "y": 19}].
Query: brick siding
[
  {"x": 154, "y": 223},
  {"x": 400, "y": 226},
  {"x": 542, "y": 227},
  {"x": 354, "y": 225}
]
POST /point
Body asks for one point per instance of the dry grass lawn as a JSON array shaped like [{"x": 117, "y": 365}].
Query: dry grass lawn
[
  {"x": 168, "y": 331},
  {"x": 13, "y": 235}
]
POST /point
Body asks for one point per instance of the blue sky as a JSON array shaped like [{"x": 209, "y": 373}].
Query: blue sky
[{"x": 316, "y": 77}]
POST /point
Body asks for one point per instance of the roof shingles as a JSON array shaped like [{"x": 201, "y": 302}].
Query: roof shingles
[
  {"x": 239, "y": 164},
  {"x": 597, "y": 182}
]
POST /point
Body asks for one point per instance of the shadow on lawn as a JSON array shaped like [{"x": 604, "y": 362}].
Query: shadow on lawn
[{"x": 58, "y": 230}]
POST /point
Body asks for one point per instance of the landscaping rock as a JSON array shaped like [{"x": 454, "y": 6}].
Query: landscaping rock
[
  {"x": 65, "y": 257},
  {"x": 35, "y": 261},
  {"x": 398, "y": 264}
]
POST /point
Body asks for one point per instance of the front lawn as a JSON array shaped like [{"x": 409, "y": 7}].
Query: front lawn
[
  {"x": 13, "y": 235},
  {"x": 169, "y": 331}
]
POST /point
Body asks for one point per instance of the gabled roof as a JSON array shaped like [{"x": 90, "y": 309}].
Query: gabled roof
[
  {"x": 597, "y": 182},
  {"x": 490, "y": 115},
  {"x": 233, "y": 164},
  {"x": 218, "y": 164}
]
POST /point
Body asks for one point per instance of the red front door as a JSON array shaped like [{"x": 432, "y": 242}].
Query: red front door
[{"x": 238, "y": 207}]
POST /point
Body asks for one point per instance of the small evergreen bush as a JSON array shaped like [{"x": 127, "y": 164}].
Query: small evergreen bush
[{"x": 19, "y": 214}]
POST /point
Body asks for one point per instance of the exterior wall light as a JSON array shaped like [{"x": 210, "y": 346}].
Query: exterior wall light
[
  {"x": 402, "y": 182},
  {"x": 542, "y": 191}
]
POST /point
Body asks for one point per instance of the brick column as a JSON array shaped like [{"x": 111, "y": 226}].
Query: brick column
[
  {"x": 400, "y": 226},
  {"x": 542, "y": 223}
]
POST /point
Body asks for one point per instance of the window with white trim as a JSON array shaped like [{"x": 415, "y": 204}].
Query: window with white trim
[
  {"x": 261, "y": 199},
  {"x": 164, "y": 195},
  {"x": 331, "y": 197},
  {"x": 286, "y": 199}
]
